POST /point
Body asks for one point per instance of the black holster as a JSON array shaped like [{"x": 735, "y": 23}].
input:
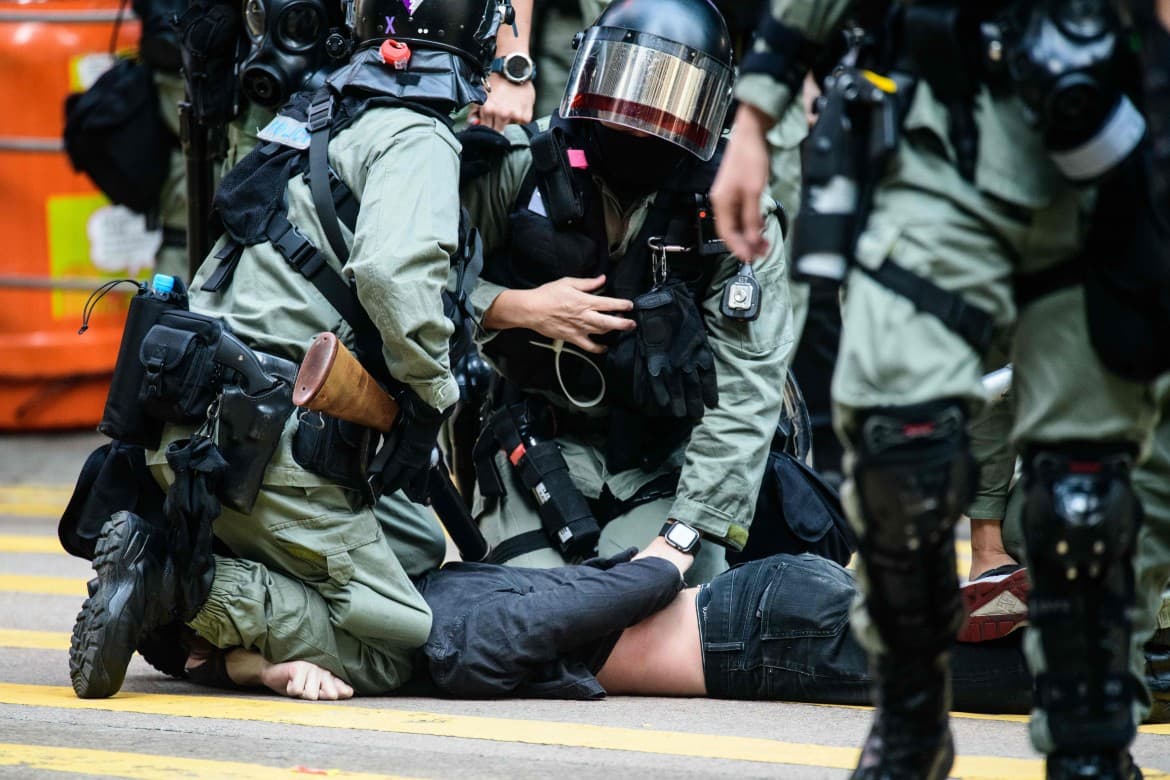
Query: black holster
[
  {"x": 565, "y": 515},
  {"x": 249, "y": 432},
  {"x": 337, "y": 450}
]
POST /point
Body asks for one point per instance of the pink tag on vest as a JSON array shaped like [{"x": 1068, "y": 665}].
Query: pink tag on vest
[{"x": 577, "y": 159}]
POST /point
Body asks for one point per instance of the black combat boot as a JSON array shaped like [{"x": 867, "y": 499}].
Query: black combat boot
[
  {"x": 910, "y": 738},
  {"x": 1111, "y": 765},
  {"x": 135, "y": 592}
]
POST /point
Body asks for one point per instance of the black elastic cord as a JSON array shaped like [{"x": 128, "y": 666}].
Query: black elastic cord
[
  {"x": 96, "y": 296},
  {"x": 117, "y": 27}
]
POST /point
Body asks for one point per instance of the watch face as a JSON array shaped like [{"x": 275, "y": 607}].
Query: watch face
[
  {"x": 683, "y": 536},
  {"x": 517, "y": 68}
]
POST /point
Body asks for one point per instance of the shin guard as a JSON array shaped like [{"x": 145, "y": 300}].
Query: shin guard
[
  {"x": 1081, "y": 520},
  {"x": 913, "y": 476}
]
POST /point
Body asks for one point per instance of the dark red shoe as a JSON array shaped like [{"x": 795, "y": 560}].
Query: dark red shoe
[{"x": 996, "y": 603}]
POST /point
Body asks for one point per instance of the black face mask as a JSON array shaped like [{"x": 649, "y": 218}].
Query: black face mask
[
  {"x": 288, "y": 39},
  {"x": 632, "y": 166}
]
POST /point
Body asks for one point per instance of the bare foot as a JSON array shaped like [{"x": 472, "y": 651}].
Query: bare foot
[
  {"x": 987, "y": 551},
  {"x": 303, "y": 680}
]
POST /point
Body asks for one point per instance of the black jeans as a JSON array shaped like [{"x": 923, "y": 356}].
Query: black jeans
[{"x": 778, "y": 628}]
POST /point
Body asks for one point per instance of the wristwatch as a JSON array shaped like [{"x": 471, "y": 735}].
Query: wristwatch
[
  {"x": 517, "y": 67},
  {"x": 681, "y": 537}
]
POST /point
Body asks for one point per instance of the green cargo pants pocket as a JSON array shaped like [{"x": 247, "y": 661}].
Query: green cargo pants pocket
[{"x": 318, "y": 548}]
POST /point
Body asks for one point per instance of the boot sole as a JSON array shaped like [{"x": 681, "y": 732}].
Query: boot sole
[
  {"x": 995, "y": 607},
  {"x": 100, "y": 649}
]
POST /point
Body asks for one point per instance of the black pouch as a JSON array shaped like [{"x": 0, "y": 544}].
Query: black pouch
[
  {"x": 796, "y": 512},
  {"x": 115, "y": 134},
  {"x": 180, "y": 376},
  {"x": 114, "y": 478},
  {"x": 334, "y": 449},
  {"x": 565, "y": 515},
  {"x": 1127, "y": 289},
  {"x": 543, "y": 253},
  {"x": 249, "y": 432}
]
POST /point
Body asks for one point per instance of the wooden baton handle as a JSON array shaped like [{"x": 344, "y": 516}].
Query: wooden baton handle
[{"x": 331, "y": 380}]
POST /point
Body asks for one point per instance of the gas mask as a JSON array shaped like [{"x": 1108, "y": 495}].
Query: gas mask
[
  {"x": 1062, "y": 58},
  {"x": 291, "y": 40}
]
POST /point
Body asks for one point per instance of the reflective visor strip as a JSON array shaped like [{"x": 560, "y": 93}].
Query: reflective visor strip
[
  {"x": 697, "y": 135},
  {"x": 652, "y": 84}
]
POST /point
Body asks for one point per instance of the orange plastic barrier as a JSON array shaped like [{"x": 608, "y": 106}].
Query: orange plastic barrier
[{"x": 50, "y": 377}]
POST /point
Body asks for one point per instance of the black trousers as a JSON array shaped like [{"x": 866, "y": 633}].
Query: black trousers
[{"x": 778, "y": 629}]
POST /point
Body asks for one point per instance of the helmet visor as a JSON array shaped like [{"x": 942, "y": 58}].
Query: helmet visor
[{"x": 650, "y": 84}]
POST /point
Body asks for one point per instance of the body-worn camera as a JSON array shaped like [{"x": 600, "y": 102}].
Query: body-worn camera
[{"x": 1062, "y": 56}]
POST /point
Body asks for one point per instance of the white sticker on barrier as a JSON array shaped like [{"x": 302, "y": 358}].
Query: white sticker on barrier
[{"x": 119, "y": 240}]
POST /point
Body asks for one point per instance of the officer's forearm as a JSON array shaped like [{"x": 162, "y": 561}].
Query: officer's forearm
[
  {"x": 753, "y": 119},
  {"x": 784, "y": 49},
  {"x": 517, "y": 39},
  {"x": 508, "y": 310}
]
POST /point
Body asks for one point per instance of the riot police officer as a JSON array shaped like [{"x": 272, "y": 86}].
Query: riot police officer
[
  {"x": 980, "y": 137},
  {"x": 633, "y": 396},
  {"x": 345, "y": 219}
]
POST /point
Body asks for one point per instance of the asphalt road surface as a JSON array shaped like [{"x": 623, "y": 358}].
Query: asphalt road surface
[{"x": 162, "y": 728}]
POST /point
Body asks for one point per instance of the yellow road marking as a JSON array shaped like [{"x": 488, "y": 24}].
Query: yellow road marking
[
  {"x": 31, "y": 509},
  {"x": 143, "y": 766},
  {"x": 346, "y": 716},
  {"x": 46, "y": 586},
  {"x": 34, "y": 500},
  {"x": 16, "y": 543},
  {"x": 33, "y": 640},
  {"x": 51, "y": 492}
]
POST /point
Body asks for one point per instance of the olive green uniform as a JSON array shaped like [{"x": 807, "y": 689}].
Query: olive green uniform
[
  {"x": 317, "y": 578},
  {"x": 1151, "y": 480},
  {"x": 241, "y": 138},
  {"x": 172, "y": 206},
  {"x": 722, "y": 464},
  {"x": 968, "y": 237}
]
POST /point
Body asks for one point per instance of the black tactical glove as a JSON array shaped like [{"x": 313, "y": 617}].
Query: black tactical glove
[
  {"x": 674, "y": 370},
  {"x": 405, "y": 458}
]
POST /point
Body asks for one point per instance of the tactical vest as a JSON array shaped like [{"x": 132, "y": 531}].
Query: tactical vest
[
  {"x": 557, "y": 229},
  {"x": 251, "y": 207}
]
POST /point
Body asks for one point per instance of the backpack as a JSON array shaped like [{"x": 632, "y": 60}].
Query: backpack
[{"x": 115, "y": 134}]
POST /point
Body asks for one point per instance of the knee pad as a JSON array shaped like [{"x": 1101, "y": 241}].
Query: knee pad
[
  {"x": 1081, "y": 518},
  {"x": 914, "y": 476}
]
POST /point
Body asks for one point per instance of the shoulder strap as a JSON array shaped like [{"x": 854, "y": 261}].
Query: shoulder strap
[
  {"x": 563, "y": 203},
  {"x": 971, "y": 323},
  {"x": 320, "y": 122}
]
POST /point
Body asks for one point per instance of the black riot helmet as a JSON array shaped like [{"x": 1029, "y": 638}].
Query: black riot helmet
[
  {"x": 662, "y": 67},
  {"x": 291, "y": 40},
  {"x": 466, "y": 28}
]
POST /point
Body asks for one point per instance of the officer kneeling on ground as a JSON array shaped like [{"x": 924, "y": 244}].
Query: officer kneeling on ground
[
  {"x": 345, "y": 220},
  {"x": 642, "y": 375}
]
